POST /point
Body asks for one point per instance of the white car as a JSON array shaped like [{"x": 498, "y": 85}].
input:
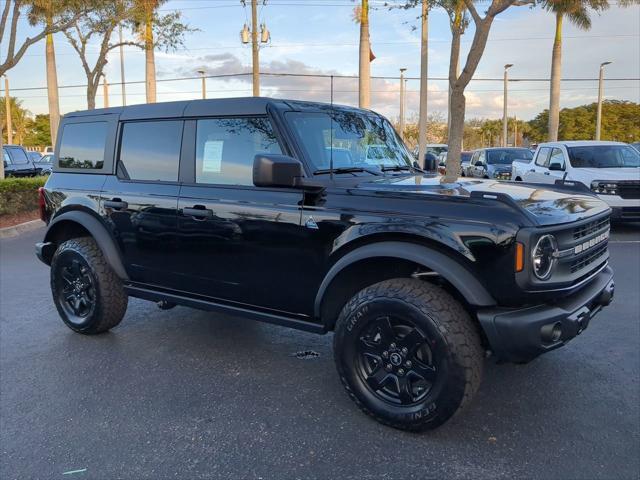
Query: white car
[{"x": 609, "y": 169}]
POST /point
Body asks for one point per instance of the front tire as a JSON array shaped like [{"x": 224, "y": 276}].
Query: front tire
[
  {"x": 86, "y": 291},
  {"x": 408, "y": 354}
]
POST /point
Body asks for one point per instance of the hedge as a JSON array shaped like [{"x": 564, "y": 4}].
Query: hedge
[{"x": 19, "y": 194}]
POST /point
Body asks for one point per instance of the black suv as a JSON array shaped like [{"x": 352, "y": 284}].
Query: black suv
[{"x": 314, "y": 216}]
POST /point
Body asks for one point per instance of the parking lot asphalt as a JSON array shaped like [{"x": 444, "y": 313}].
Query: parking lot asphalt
[{"x": 190, "y": 394}]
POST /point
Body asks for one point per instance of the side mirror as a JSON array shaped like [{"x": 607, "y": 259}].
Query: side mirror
[
  {"x": 557, "y": 167},
  {"x": 480, "y": 164},
  {"x": 276, "y": 171}
]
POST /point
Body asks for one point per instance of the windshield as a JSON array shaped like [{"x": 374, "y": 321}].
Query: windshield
[
  {"x": 437, "y": 150},
  {"x": 604, "y": 156},
  {"x": 507, "y": 156},
  {"x": 353, "y": 139}
]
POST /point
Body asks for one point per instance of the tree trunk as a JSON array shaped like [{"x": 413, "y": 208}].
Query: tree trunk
[
  {"x": 365, "y": 61},
  {"x": 456, "y": 132},
  {"x": 424, "y": 70},
  {"x": 91, "y": 95},
  {"x": 556, "y": 73},
  {"x": 150, "y": 60},
  {"x": 52, "y": 82}
]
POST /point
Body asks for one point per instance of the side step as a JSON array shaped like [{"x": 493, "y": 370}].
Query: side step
[{"x": 156, "y": 296}]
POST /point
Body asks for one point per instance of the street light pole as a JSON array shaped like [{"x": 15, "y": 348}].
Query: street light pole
[
  {"x": 600, "y": 92},
  {"x": 204, "y": 84},
  {"x": 7, "y": 106},
  {"x": 402, "y": 70},
  {"x": 254, "y": 48},
  {"x": 122, "y": 82},
  {"x": 504, "y": 105}
]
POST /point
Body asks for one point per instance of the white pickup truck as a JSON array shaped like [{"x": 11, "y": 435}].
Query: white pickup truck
[{"x": 609, "y": 169}]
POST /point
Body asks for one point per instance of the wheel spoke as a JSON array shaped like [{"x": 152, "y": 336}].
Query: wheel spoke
[
  {"x": 412, "y": 340},
  {"x": 67, "y": 276},
  {"x": 386, "y": 330},
  {"x": 371, "y": 348},
  {"x": 426, "y": 372},
  {"x": 404, "y": 390},
  {"x": 377, "y": 378}
]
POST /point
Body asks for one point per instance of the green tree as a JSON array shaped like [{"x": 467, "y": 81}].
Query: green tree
[
  {"x": 19, "y": 120},
  {"x": 38, "y": 131}
]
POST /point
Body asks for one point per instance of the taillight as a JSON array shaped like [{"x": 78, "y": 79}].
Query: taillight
[{"x": 42, "y": 204}]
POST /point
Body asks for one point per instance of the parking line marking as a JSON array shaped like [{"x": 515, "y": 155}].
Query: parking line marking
[
  {"x": 71, "y": 472},
  {"x": 624, "y": 241}
]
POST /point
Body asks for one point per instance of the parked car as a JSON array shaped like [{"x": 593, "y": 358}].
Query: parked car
[
  {"x": 495, "y": 162},
  {"x": 228, "y": 205},
  {"x": 465, "y": 159},
  {"x": 44, "y": 164},
  {"x": 17, "y": 162},
  {"x": 609, "y": 169},
  {"x": 435, "y": 148}
]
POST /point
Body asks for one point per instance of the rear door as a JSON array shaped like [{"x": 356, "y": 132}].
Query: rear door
[
  {"x": 238, "y": 243},
  {"x": 140, "y": 202}
]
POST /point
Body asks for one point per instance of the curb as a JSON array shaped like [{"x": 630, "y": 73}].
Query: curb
[{"x": 16, "y": 230}]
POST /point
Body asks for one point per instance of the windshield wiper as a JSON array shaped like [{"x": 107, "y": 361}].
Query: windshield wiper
[
  {"x": 398, "y": 168},
  {"x": 324, "y": 171}
]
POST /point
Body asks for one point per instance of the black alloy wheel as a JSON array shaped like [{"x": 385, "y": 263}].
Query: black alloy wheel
[{"x": 76, "y": 287}]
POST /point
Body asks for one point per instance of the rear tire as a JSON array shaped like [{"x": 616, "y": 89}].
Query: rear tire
[
  {"x": 408, "y": 354},
  {"x": 86, "y": 291}
]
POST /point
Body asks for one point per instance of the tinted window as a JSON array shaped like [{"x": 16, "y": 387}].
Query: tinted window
[
  {"x": 150, "y": 150},
  {"x": 542, "y": 159},
  {"x": 604, "y": 156},
  {"x": 362, "y": 139},
  {"x": 507, "y": 156},
  {"x": 225, "y": 148},
  {"x": 82, "y": 145},
  {"x": 17, "y": 155},
  {"x": 6, "y": 157}
]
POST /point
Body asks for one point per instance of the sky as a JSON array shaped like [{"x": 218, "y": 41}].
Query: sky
[{"x": 319, "y": 37}]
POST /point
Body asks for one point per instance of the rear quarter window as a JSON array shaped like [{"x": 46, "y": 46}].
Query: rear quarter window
[{"x": 82, "y": 145}]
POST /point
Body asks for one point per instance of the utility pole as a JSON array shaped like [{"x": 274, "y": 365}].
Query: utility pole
[
  {"x": 402, "y": 93},
  {"x": 515, "y": 131},
  {"x": 254, "y": 48},
  {"x": 600, "y": 95},
  {"x": 364, "y": 72},
  {"x": 52, "y": 78},
  {"x": 424, "y": 62},
  {"x": 504, "y": 105},
  {"x": 122, "y": 83},
  {"x": 105, "y": 91},
  {"x": 204, "y": 84},
  {"x": 7, "y": 106}
]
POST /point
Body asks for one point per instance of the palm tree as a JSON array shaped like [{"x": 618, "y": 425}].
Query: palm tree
[
  {"x": 579, "y": 13},
  {"x": 364, "y": 72},
  {"x": 145, "y": 13}
]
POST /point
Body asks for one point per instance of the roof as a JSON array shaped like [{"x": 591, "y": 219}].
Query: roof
[
  {"x": 579, "y": 143},
  {"x": 196, "y": 108}
]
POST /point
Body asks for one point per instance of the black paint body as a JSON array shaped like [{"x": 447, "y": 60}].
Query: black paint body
[{"x": 276, "y": 251}]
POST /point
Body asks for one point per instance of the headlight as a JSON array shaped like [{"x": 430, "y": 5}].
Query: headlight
[
  {"x": 543, "y": 257},
  {"x": 604, "y": 188}
]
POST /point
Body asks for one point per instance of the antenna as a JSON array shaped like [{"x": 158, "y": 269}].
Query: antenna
[{"x": 331, "y": 135}]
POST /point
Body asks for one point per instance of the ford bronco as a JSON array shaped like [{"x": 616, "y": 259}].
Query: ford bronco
[{"x": 278, "y": 211}]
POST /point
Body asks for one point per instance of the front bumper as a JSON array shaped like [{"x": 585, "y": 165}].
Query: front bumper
[
  {"x": 625, "y": 214},
  {"x": 520, "y": 335}
]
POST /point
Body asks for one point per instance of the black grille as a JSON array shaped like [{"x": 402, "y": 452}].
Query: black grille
[
  {"x": 588, "y": 259},
  {"x": 629, "y": 189},
  {"x": 589, "y": 228}
]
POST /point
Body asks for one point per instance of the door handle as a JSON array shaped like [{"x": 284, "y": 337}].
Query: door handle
[
  {"x": 198, "y": 211},
  {"x": 546, "y": 173},
  {"x": 115, "y": 204},
  {"x": 533, "y": 170}
]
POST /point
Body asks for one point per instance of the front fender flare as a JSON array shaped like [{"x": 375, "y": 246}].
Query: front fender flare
[
  {"x": 451, "y": 270},
  {"x": 99, "y": 233}
]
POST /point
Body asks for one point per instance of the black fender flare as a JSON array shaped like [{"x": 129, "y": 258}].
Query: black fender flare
[
  {"x": 99, "y": 233},
  {"x": 450, "y": 269}
]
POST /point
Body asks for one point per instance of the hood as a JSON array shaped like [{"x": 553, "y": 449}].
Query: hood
[
  {"x": 586, "y": 175},
  {"x": 542, "y": 205}
]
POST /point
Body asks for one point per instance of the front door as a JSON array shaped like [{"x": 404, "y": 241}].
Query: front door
[
  {"x": 140, "y": 202},
  {"x": 238, "y": 243}
]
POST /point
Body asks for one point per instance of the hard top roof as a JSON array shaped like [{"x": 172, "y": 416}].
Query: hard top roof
[{"x": 207, "y": 107}]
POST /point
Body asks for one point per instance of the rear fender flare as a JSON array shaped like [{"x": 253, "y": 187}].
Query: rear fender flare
[
  {"x": 99, "y": 233},
  {"x": 451, "y": 270}
]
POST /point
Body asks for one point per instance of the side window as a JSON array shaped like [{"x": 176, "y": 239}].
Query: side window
[
  {"x": 225, "y": 148},
  {"x": 6, "y": 156},
  {"x": 556, "y": 157},
  {"x": 482, "y": 156},
  {"x": 82, "y": 145},
  {"x": 17, "y": 155},
  {"x": 542, "y": 160},
  {"x": 150, "y": 150},
  {"x": 474, "y": 157}
]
